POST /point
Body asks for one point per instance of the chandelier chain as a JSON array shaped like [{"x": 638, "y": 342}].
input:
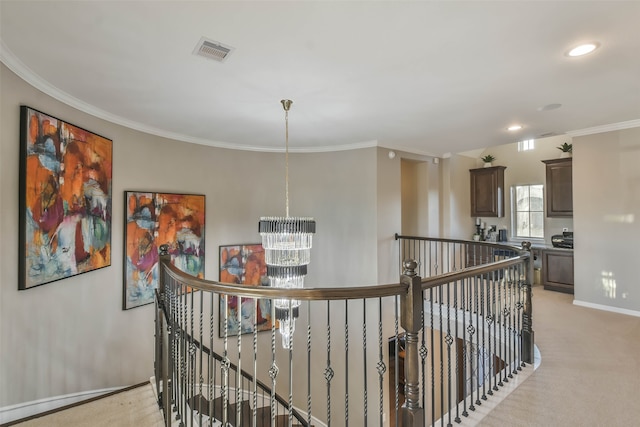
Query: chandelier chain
[{"x": 286, "y": 161}]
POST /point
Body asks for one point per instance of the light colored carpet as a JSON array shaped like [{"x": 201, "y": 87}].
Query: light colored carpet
[
  {"x": 590, "y": 370},
  {"x": 589, "y": 376},
  {"x": 133, "y": 408}
]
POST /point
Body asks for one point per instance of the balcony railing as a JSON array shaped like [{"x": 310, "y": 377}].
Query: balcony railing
[{"x": 424, "y": 351}]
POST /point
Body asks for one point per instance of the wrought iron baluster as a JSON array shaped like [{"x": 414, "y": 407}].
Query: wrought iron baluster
[
  {"x": 290, "y": 332},
  {"x": 364, "y": 346},
  {"x": 254, "y": 412},
  {"x": 346, "y": 361},
  {"x": 308, "y": 363},
  {"x": 239, "y": 369},
  {"x": 273, "y": 370},
  {"x": 449, "y": 340},
  {"x": 328, "y": 372},
  {"x": 380, "y": 366}
]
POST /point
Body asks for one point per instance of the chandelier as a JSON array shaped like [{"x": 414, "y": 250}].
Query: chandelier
[{"x": 287, "y": 248}]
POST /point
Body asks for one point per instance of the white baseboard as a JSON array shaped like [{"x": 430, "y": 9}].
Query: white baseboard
[
  {"x": 28, "y": 409},
  {"x": 607, "y": 308}
]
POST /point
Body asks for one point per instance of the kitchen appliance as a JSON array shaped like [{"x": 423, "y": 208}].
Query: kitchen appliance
[{"x": 564, "y": 240}]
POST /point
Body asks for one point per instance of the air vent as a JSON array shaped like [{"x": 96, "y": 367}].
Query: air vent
[{"x": 212, "y": 49}]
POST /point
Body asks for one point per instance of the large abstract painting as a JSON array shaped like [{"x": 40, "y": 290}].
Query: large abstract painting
[
  {"x": 65, "y": 200},
  {"x": 154, "y": 219},
  {"x": 244, "y": 264}
]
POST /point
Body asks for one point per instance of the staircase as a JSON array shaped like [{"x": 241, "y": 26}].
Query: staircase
[
  {"x": 215, "y": 410},
  {"x": 463, "y": 310}
]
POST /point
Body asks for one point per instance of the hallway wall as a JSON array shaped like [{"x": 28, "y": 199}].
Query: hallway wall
[{"x": 72, "y": 335}]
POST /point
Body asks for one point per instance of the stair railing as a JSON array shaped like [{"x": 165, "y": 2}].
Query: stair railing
[{"x": 465, "y": 331}]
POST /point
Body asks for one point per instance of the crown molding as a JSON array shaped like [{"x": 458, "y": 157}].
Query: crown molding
[
  {"x": 28, "y": 75},
  {"x": 605, "y": 128}
]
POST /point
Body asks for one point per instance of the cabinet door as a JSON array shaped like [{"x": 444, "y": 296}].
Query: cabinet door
[
  {"x": 487, "y": 192},
  {"x": 558, "y": 270},
  {"x": 559, "y": 188}
]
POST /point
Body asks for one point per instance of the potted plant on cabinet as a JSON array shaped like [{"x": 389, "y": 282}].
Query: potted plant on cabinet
[
  {"x": 566, "y": 150},
  {"x": 488, "y": 159}
]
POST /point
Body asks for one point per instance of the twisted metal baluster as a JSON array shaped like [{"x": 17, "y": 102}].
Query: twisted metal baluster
[
  {"x": 273, "y": 371},
  {"x": 346, "y": 361},
  {"x": 290, "y": 331},
  {"x": 396, "y": 362},
  {"x": 364, "y": 346},
  {"x": 255, "y": 362},
  {"x": 211, "y": 360},
  {"x": 200, "y": 353},
  {"x": 449, "y": 341},
  {"x": 485, "y": 320},
  {"x": 442, "y": 399},
  {"x": 328, "y": 372},
  {"x": 239, "y": 369},
  {"x": 225, "y": 364},
  {"x": 381, "y": 366},
  {"x": 433, "y": 367},
  {"x": 308, "y": 362}
]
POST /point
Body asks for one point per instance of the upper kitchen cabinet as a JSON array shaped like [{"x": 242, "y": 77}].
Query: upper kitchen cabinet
[
  {"x": 487, "y": 191},
  {"x": 559, "y": 187}
]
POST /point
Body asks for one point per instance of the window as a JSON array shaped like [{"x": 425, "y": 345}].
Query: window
[
  {"x": 528, "y": 211},
  {"x": 526, "y": 145}
]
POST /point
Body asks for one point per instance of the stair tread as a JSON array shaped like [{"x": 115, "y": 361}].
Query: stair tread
[{"x": 201, "y": 404}]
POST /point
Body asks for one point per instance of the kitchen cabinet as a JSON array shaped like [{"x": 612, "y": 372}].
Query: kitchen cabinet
[
  {"x": 559, "y": 187},
  {"x": 557, "y": 270},
  {"x": 487, "y": 191}
]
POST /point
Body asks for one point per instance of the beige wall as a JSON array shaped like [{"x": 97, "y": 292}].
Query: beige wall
[
  {"x": 72, "y": 335},
  {"x": 606, "y": 203},
  {"x": 456, "y": 198}
]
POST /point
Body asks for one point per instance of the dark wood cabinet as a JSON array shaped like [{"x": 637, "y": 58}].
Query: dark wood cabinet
[
  {"x": 487, "y": 192},
  {"x": 559, "y": 187},
  {"x": 557, "y": 270}
]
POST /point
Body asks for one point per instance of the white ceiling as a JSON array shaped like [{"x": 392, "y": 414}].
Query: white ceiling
[{"x": 430, "y": 77}]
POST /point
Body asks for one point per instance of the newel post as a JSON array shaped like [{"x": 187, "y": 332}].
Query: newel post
[
  {"x": 527, "y": 314},
  {"x": 411, "y": 307}
]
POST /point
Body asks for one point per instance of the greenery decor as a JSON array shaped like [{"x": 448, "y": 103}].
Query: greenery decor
[
  {"x": 566, "y": 148},
  {"x": 488, "y": 158}
]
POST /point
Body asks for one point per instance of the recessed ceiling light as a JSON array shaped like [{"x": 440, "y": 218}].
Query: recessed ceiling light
[
  {"x": 514, "y": 127},
  {"x": 583, "y": 49}
]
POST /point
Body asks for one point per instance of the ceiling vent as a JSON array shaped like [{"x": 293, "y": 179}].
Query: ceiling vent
[{"x": 212, "y": 49}]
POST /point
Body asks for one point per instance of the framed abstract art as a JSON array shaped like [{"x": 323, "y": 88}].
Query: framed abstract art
[
  {"x": 64, "y": 200},
  {"x": 244, "y": 264},
  {"x": 153, "y": 219}
]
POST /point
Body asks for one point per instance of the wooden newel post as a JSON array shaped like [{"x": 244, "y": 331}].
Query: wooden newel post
[
  {"x": 527, "y": 313},
  {"x": 411, "y": 307}
]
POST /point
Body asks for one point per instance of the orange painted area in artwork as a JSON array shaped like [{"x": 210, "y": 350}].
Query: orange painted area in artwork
[
  {"x": 135, "y": 235},
  {"x": 178, "y": 212},
  {"x": 135, "y": 201},
  {"x": 254, "y": 269},
  {"x": 71, "y": 188},
  {"x": 87, "y": 157},
  {"x": 39, "y": 176}
]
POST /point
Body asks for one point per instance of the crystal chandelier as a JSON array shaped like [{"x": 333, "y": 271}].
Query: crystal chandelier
[{"x": 287, "y": 248}]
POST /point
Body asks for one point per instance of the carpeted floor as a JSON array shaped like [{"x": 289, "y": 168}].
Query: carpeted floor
[
  {"x": 590, "y": 370},
  {"x": 589, "y": 376}
]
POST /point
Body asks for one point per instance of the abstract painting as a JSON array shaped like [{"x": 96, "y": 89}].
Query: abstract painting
[
  {"x": 65, "y": 200},
  {"x": 154, "y": 219},
  {"x": 244, "y": 264}
]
